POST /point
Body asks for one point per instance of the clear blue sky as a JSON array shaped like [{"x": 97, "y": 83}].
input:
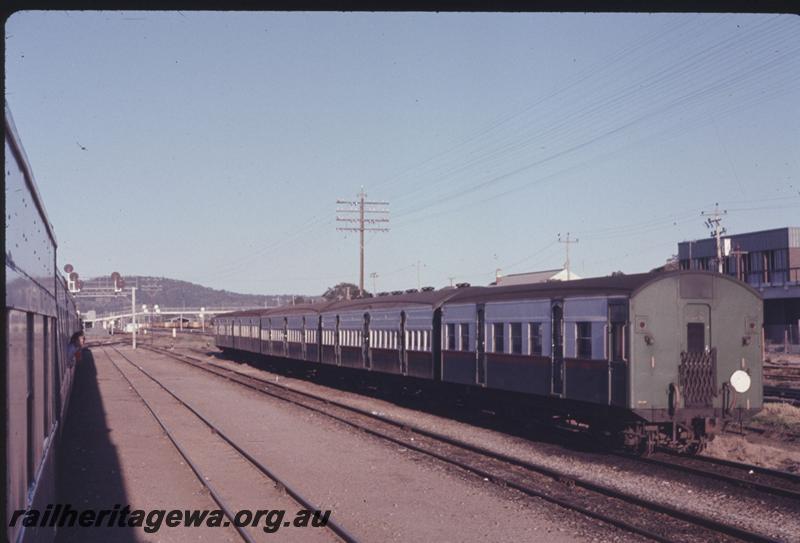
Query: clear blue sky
[{"x": 217, "y": 144}]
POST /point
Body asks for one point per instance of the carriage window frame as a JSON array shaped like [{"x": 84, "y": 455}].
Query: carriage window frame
[
  {"x": 515, "y": 337},
  {"x": 498, "y": 337},
  {"x": 463, "y": 330},
  {"x": 583, "y": 340},
  {"x": 535, "y": 339},
  {"x": 451, "y": 341}
]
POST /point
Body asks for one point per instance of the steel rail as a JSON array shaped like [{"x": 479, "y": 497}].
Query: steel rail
[
  {"x": 332, "y": 525},
  {"x": 197, "y": 472},
  {"x": 681, "y": 466},
  {"x": 792, "y": 477},
  {"x": 685, "y": 516}
]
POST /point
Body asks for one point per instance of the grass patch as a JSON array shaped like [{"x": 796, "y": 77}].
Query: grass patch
[{"x": 779, "y": 417}]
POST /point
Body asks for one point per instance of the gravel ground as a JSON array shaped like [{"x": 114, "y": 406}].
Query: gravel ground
[
  {"x": 239, "y": 484},
  {"x": 114, "y": 452},
  {"x": 378, "y": 491}
]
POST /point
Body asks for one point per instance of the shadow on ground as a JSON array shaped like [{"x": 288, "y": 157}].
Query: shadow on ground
[{"x": 88, "y": 464}]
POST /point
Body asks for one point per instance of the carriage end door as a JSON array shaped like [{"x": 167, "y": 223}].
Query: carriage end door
[
  {"x": 480, "y": 345},
  {"x": 557, "y": 343}
]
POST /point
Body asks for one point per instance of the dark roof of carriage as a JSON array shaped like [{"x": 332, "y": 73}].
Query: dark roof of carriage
[
  {"x": 614, "y": 285},
  {"x": 426, "y": 299},
  {"x": 619, "y": 285},
  {"x": 433, "y": 298},
  {"x": 242, "y": 313}
]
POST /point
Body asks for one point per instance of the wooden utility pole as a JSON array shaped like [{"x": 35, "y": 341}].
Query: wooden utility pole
[
  {"x": 713, "y": 221},
  {"x": 374, "y": 276},
  {"x": 360, "y": 206},
  {"x": 738, "y": 253},
  {"x": 133, "y": 314},
  {"x": 567, "y": 242}
]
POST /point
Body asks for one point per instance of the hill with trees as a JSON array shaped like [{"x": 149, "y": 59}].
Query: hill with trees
[{"x": 173, "y": 293}]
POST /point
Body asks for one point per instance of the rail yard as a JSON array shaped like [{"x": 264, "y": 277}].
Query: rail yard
[{"x": 401, "y": 276}]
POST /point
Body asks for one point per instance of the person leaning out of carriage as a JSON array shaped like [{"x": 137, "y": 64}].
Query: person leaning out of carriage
[{"x": 75, "y": 347}]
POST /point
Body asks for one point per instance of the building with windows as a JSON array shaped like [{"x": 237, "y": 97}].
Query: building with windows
[{"x": 768, "y": 260}]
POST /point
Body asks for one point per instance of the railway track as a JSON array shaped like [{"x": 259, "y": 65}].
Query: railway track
[
  {"x": 202, "y": 476},
  {"x": 768, "y": 481},
  {"x": 782, "y": 394},
  {"x": 656, "y": 521}
]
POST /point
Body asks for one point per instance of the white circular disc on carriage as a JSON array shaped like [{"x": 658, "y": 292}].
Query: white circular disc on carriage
[{"x": 740, "y": 381}]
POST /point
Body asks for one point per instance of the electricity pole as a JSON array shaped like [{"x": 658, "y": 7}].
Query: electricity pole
[
  {"x": 374, "y": 276},
  {"x": 133, "y": 314},
  {"x": 713, "y": 221},
  {"x": 360, "y": 207},
  {"x": 419, "y": 281},
  {"x": 567, "y": 242},
  {"x": 738, "y": 253}
]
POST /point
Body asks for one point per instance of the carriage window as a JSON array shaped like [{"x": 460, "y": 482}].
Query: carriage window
[
  {"x": 584, "y": 339},
  {"x": 516, "y": 337},
  {"x": 450, "y": 340},
  {"x": 497, "y": 335},
  {"x": 695, "y": 337},
  {"x": 464, "y": 336},
  {"x": 535, "y": 338}
]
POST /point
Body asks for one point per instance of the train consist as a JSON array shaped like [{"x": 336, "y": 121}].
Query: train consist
[
  {"x": 652, "y": 359},
  {"x": 40, "y": 318}
]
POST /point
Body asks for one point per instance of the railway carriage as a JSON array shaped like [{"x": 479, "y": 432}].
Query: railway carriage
[
  {"x": 40, "y": 318},
  {"x": 654, "y": 359}
]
